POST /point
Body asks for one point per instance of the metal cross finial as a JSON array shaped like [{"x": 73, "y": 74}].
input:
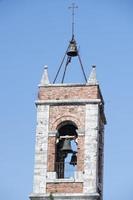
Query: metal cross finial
[{"x": 73, "y": 13}]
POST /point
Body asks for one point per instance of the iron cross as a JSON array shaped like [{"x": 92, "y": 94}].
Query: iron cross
[{"x": 73, "y": 7}]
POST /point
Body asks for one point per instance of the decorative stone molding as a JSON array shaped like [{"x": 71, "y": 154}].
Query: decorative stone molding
[
  {"x": 81, "y": 132},
  {"x": 66, "y": 196},
  {"x": 68, "y": 101},
  {"x": 51, "y": 178},
  {"x": 66, "y": 118}
]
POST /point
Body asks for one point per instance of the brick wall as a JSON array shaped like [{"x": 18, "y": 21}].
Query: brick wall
[
  {"x": 64, "y": 187},
  {"x": 75, "y": 113},
  {"x": 68, "y": 92},
  {"x": 80, "y": 154},
  {"x": 51, "y": 154}
]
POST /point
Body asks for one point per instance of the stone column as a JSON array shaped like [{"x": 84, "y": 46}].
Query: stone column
[
  {"x": 40, "y": 169},
  {"x": 91, "y": 149}
]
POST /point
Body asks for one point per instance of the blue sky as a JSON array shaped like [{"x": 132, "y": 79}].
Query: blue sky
[{"x": 36, "y": 32}]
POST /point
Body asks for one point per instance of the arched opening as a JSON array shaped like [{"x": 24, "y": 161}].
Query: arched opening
[{"x": 66, "y": 149}]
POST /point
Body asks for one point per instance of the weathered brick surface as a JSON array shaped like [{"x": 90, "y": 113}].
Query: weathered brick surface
[
  {"x": 51, "y": 154},
  {"x": 64, "y": 187},
  {"x": 80, "y": 154},
  {"x": 58, "y": 114},
  {"x": 68, "y": 92}
]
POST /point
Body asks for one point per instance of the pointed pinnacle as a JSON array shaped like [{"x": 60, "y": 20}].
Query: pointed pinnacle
[
  {"x": 92, "y": 80},
  {"x": 45, "y": 79}
]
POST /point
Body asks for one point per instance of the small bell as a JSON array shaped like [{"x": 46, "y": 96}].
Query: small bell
[
  {"x": 72, "y": 51},
  {"x": 73, "y": 159},
  {"x": 67, "y": 146}
]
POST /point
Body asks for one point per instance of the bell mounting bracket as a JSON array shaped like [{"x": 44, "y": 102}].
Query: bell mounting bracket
[{"x": 72, "y": 51}]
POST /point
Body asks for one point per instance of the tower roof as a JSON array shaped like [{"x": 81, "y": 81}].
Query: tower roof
[
  {"x": 45, "y": 78},
  {"x": 92, "y": 80}
]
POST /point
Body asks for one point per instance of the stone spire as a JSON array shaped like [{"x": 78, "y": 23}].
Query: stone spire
[
  {"x": 92, "y": 80},
  {"x": 45, "y": 79}
]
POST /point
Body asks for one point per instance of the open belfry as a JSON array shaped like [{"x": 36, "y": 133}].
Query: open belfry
[{"x": 69, "y": 145}]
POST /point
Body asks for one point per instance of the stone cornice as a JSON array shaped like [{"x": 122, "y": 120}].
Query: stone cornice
[
  {"x": 67, "y": 196},
  {"x": 67, "y": 85},
  {"x": 68, "y": 101}
]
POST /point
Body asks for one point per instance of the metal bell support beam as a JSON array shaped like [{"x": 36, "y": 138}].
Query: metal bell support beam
[{"x": 71, "y": 52}]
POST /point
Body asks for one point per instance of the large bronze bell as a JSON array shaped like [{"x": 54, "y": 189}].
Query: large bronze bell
[
  {"x": 72, "y": 51},
  {"x": 73, "y": 159},
  {"x": 67, "y": 146}
]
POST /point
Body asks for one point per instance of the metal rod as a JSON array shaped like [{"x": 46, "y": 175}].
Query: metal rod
[
  {"x": 73, "y": 20},
  {"x": 73, "y": 15},
  {"x": 60, "y": 65},
  {"x": 67, "y": 137},
  {"x": 82, "y": 67},
  {"x": 67, "y": 62}
]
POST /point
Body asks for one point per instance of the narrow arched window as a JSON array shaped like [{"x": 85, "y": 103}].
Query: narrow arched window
[{"x": 66, "y": 149}]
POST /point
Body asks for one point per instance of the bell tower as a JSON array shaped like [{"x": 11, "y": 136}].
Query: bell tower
[{"x": 69, "y": 137}]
